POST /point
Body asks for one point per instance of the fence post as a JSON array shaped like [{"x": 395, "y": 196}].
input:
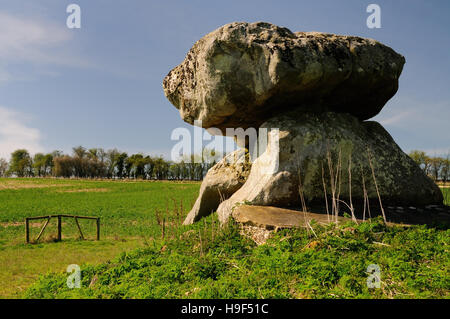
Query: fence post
[
  {"x": 27, "y": 230},
  {"x": 98, "y": 228},
  {"x": 43, "y": 228},
  {"x": 79, "y": 227},
  {"x": 59, "y": 227}
]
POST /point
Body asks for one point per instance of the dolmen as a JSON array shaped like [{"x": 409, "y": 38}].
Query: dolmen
[{"x": 319, "y": 91}]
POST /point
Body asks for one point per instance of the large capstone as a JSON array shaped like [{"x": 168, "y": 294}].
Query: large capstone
[{"x": 242, "y": 74}]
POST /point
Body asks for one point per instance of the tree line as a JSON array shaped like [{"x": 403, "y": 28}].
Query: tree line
[
  {"x": 112, "y": 164},
  {"x": 438, "y": 168}
]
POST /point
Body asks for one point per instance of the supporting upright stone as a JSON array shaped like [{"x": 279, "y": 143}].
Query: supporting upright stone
[{"x": 221, "y": 181}]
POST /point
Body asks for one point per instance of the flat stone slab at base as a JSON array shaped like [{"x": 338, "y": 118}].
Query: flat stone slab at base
[
  {"x": 258, "y": 222},
  {"x": 272, "y": 218}
]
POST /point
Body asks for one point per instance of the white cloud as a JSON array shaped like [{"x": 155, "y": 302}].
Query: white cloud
[
  {"x": 409, "y": 113},
  {"x": 36, "y": 42},
  {"x": 15, "y": 133},
  {"x": 397, "y": 118},
  {"x": 418, "y": 124}
]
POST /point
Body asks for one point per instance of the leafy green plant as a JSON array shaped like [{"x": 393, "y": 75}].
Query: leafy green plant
[{"x": 292, "y": 264}]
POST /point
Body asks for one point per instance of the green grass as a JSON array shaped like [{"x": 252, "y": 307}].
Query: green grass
[
  {"x": 127, "y": 211},
  {"x": 414, "y": 263},
  {"x": 446, "y": 192},
  {"x": 202, "y": 260}
]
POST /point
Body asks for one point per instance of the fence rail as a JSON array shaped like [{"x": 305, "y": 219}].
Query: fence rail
[{"x": 59, "y": 225}]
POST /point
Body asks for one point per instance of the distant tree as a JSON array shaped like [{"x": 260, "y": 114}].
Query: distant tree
[
  {"x": 421, "y": 159},
  {"x": 63, "y": 166},
  {"x": 175, "y": 171},
  {"x": 121, "y": 161},
  {"x": 445, "y": 171},
  {"x": 56, "y": 153},
  {"x": 190, "y": 166},
  {"x": 79, "y": 151},
  {"x": 80, "y": 163},
  {"x": 427, "y": 166},
  {"x": 20, "y": 163},
  {"x": 149, "y": 166},
  {"x": 101, "y": 155},
  {"x": 92, "y": 154},
  {"x": 196, "y": 165},
  {"x": 95, "y": 169},
  {"x": 94, "y": 163},
  {"x": 183, "y": 170},
  {"x": 128, "y": 165},
  {"x": 39, "y": 162},
  {"x": 3, "y": 167},
  {"x": 160, "y": 168},
  {"x": 110, "y": 159},
  {"x": 137, "y": 162},
  {"x": 48, "y": 164},
  {"x": 436, "y": 164}
]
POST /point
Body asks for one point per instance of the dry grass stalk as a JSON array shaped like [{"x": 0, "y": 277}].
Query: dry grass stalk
[
  {"x": 310, "y": 227},
  {"x": 181, "y": 213},
  {"x": 338, "y": 181},
  {"x": 364, "y": 192},
  {"x": 368, "y": 206},
  {"x": 300, "y": 188},
  {"x": 325, "y": 193},
  {"x": 332, "y": 183},
  {"x": 335, "y": 181},
  {"x": 376, "y": 185},
  {"x": 350, "y": 186},
  {"x": 201, "y": 242},
  {"x": 158, "y": 217}
]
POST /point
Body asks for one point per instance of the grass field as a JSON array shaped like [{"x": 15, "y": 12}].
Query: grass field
[
  {"x": 200, "y": 261},
  {"x": 446, "y": 192},
  {"x": 127, "y": 211}
]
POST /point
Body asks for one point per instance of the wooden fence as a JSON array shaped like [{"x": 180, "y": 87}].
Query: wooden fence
[{"x": 59, "y": 225}]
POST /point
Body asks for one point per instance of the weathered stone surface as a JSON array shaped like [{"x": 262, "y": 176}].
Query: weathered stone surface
[
  {"x": 259, "y": 222},
  {"x": 272, "y": 218},
  {"x": 242, "y": 74},
  {"x": 306, "y": 139},
  {"x": 221, "y": 181}
]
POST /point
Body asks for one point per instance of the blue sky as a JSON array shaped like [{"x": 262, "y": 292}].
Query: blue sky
[{"x": 101, "y": 85}]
